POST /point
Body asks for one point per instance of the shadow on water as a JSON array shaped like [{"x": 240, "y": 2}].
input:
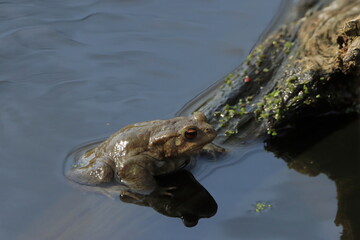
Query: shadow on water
[
  {"x": 189, "y": 200},
  {"x": 177, "y": 194},
  {"x": 328, "y": 145}
]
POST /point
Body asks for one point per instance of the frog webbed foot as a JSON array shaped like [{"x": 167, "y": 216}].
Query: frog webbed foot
[
  {"x": 212, "y": 150},
  {"x": 128, "y": 196}
]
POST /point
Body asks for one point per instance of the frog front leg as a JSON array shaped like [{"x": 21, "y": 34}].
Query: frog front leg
[
  {"x": 137, "y": 172},
  {"x": 212, "y": 150},
  {"x": 96, "y": 172}
]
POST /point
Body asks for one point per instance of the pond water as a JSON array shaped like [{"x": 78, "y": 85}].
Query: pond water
[{"x": 75, "y": 71}]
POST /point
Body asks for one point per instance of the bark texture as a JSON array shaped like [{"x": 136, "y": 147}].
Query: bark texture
[
  {"x": 298, "y": 85},
  {"x": 306, "y": 68}
]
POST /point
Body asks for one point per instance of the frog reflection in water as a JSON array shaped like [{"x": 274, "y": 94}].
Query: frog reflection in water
[{"x": 138, "y": 152}]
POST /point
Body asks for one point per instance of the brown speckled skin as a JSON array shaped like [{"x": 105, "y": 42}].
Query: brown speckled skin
[{"x": 137, "y": 152}]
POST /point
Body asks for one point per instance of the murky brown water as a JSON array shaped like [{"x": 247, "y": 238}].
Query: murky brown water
[{"x": 75, "y": 71}]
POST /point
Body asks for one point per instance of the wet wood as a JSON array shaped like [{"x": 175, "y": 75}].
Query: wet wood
[
  {"x": 306, "y": 68},
  {"x": 296, "y": 87}
]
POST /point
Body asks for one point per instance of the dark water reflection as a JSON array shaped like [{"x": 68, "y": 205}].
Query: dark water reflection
[
  {"x": 337, "y": 155},
  {"x": 188, "y": 200},
  {"x": 177, "y": 194},
  {"x": 74, "y": 71}
]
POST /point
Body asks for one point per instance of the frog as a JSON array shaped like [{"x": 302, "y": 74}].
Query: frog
[{"x": 137, "y": 153}]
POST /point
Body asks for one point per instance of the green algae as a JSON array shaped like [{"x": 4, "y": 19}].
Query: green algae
[
  {"x": 230, "y": 112},
  {"x": 287, "y": 47},
  {"x": 261, "y": 206}
]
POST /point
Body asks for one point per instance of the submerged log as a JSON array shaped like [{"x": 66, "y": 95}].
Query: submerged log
[
  {"x": 306, "y": 68},
  {"x": 297, "y": 86}
]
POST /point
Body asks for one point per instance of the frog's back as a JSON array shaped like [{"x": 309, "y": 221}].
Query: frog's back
[
  {"x": 135, "y": 137},
  {"x": 146, "y": 129}
]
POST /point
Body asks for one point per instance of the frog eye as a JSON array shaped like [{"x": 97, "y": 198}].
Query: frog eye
[{"x": 191, "y": 133}]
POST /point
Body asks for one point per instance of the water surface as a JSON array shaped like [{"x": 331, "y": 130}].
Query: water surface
[{"x": 74, "y": 71}]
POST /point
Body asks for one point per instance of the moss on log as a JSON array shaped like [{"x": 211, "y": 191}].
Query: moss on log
[
  {"x": 306, "y": 68},
  {"x": 296, "y": 87}
]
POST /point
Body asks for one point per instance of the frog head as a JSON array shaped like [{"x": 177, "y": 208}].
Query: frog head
[{"x": 185, "y": 137}]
